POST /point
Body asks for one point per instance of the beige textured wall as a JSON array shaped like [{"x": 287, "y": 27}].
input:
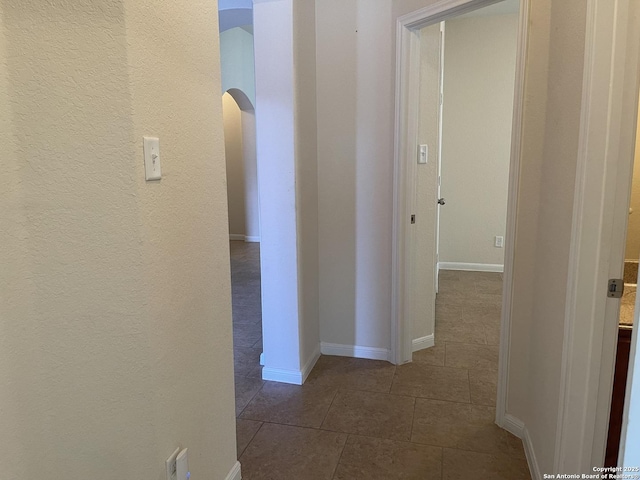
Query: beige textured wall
[
  {"x": 232, "y": 117},
  {"x": 237, "y": 62},
  {"x": 479, "y": 74},
  {"x": 355, "y": 170},
  {"x": 115, "y": 323},
  {"x": 306, "y": 140},
  {"x": 545, "y": 205},
  {"x": 632, "y": 251},
  {"x": 337, "y": 123}
]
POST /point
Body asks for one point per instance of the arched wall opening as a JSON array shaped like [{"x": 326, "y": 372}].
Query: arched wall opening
[{"x": 242, "y": 169}]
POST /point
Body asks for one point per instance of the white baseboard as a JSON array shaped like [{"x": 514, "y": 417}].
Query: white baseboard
[
  {"x": 282, "y": 375},
  {"x": 355, "y": 351},
  {"x": 534, "y": 467},
  {"x": 519, "y": 429},
  {"x": 306, "y": 370},
  {"x": 472, "y": 267},
  {"x": 513, "y": 425},
  {"x": 244, "y": 238},
  {"x": 235, "y": 473},
  {"x": 295, "y": 377},
  {"x": 423, "y": 342}
]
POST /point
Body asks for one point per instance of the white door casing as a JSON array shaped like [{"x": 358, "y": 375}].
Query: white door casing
[{"x": 439, "y": 166}]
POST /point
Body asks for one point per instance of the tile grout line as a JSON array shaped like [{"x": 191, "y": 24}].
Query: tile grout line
[
  {"x": 335, "y": 470},
  {"x": 251, "y": 400},
  {"x": 413, "y": 419},
  {"x": 250, "y": 441},
  {"x": 328, "y": 409}
]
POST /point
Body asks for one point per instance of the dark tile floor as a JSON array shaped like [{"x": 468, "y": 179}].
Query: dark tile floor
[{"x": 363, "y": 419}]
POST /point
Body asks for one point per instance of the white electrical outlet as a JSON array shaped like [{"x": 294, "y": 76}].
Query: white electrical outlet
[
  {"x": 172, "y": 469},
  {"x": 499, "y": 242},
  {"x": 182, "y": 465}
]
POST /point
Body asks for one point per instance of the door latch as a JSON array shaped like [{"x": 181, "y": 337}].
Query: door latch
[
  {"x": 616, "y": 288},
  {"x": 413, "y": 219}
]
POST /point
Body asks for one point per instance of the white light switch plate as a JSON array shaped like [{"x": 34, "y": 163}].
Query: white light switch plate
[
  {"x": 423, "y": 155},
  {"x": 152, "y": 158}
]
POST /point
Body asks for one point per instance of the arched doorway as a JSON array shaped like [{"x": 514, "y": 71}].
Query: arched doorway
[{"x": 242, "y": 171}]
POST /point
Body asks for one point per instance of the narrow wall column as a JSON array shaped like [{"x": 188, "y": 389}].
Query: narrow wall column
[{"x": 275, "y": 146}]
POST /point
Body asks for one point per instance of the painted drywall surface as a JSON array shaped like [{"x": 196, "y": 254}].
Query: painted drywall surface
[
  {"x": 116, "y": 327},
  {"x": 306, "y": 152},
  {"x": 252, "y": 197},
  {"x": 275, "y": 142},
  {"x": 479, "y": 75},
  {"x": 427, "y": 184},
  {"x": 373, "y": 163},
  {"x": 549, "y": 152},
  {"x": 189, "y": 219},
  {"x": 355, "y": 170},
  {"x": 237, "y": 62},
  {"x": 233, "y": 150},
  {"x": 632, "y": 251},
  {"x": 336, "y": 107},
  {"x": 15, "y": 289}
]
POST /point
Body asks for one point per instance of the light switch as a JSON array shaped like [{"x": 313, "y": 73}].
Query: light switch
[
  {"x": 423, "y": 154},
  {"x": 152, "y": 158}
]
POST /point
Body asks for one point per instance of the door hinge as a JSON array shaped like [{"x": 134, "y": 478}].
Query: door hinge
[
  {"x": 413, "y": 219},
  {"x": 616, "y": 288}
]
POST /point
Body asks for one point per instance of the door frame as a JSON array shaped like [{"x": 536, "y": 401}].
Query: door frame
[
  {"x": 406, "y": 135},
  {"x": 601, "y": 199},
  {"x": 439, "y": 165}
]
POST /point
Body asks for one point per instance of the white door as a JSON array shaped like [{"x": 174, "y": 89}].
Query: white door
[
  {"x": 426, "y": 189},
  {"x": 439, "y": 161}
]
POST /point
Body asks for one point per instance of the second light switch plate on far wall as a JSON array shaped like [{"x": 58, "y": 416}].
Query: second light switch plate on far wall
[{"x": 152, "y": 169}]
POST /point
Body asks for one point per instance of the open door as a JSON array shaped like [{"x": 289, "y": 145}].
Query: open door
[
  {"x": 427, "y": 187},
  {"x": 441, "y": 200}
]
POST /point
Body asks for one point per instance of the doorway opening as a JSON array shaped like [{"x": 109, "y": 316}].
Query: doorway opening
[
  {"x": 244, "y": 234},
  {"x": 242, "y": 171},
  {"x": 408, "y": 136},
  {"x": 467, "y": 74}
]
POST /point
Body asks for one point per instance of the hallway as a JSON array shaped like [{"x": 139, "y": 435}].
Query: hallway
[{"x": 363, "y": 419}]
